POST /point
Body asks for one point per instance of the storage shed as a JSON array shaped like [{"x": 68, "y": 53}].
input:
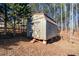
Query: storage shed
[{"x": 43, "y": 27}]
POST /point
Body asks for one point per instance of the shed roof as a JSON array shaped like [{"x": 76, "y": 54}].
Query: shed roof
[
  {"x": 50, "y": 18},
  {"x": 41, "y": 13}
]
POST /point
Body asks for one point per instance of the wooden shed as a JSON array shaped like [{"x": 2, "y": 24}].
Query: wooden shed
[{"x": 43, "y": 27}]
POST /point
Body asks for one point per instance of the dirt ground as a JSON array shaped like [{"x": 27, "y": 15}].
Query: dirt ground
[{"x": 23, "y": 47}]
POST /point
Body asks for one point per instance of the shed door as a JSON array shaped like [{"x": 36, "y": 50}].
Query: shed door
[{"x": 36, "y": 30}]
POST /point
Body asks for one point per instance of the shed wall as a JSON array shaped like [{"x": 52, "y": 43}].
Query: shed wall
[
  {"x": 51, "y": 29},
  {"x": 43, "y": 27},
  {"x": 39, "y": 26}
]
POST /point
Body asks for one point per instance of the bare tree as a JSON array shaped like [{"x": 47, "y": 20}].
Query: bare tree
[
  {"x": 61, "y": 18},
  {"x": 76, "y": 17}
]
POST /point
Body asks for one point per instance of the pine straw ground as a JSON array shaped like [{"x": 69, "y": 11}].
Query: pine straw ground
[{"x": 23, "y": 47}]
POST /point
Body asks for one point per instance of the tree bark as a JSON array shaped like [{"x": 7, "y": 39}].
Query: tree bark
[
  {"x": 61, "y": 20},
  {"x": 76, "y": 18},
  {"x": 14, "y": 30},
  {"x": 5, "y": 20}
]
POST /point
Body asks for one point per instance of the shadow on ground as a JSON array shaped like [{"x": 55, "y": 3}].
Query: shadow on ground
[
  {"x": 54, "y": 39},
  {"x": 10, "y": 40},
  {"x": 71, "y": 55}
]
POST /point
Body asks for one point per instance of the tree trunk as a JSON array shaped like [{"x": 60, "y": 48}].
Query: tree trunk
[
  {"x": 5, "y": 20},
  {"x": 76, "y": 18},
  {"x": 71, "y": 17},
  {"x": 65, "y": 10},
  {"x": 5, "y": 27},
  {"x": 61, "y": 20},
  {"x": 14, "y": 32}
]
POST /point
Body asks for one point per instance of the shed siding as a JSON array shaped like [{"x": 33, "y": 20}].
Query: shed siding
[
  {"x": 39, "y": 26},
  {"x": 43, "y": 27},
  {"x": 51, "y": 29}
]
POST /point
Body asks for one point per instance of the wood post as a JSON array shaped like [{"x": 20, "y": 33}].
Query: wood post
[
  {"x": 44, "y": 42},
  {"x": 33, "y": 40}
]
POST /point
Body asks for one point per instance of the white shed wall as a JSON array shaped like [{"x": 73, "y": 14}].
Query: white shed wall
[{"x": 39, "y": 27}]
